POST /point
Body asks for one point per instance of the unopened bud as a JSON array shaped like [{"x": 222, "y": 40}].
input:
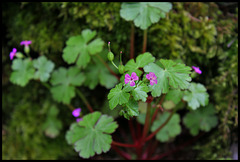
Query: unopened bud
[
  {"x": 121, "y": 69},
  {"x": 110, "y": 56}
]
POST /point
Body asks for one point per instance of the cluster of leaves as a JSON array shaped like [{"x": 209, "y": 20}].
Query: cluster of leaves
[
  {"x": 179, "y": 35},
  {"x": 169, "y": 74},
  {"x": 24, "y": 70}
]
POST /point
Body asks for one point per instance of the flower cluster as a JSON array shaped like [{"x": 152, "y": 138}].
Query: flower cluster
[
  {"x": 14, "y": 51},
  {"x": 131, "y": 79},
  {"x": 76, "y": 113}
]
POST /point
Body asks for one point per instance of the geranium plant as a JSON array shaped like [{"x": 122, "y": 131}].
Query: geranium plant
[{"x": 148, "y": 90}]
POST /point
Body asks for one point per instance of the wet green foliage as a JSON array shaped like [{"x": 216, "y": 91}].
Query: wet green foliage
[{"x": 198, "y": 34}]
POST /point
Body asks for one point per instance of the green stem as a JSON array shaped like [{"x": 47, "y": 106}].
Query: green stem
[
  {"x": 106, "y": 65},
  {"x": 144, "y": 41},
  {"x": 80, "y": 94},
  {"x": 114, "y": 65},
  {"x": 46, "y": 85}
]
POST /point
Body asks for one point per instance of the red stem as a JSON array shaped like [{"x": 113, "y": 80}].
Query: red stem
[
  {"x": 122, "y": 153},
  {"x": 144, "y": 41},
  {"x": 146, "y": 125},
  {"x": 124, "y": 144},
  {"x": 154, "y": 115},
  {"x": 132, "y": 130},
  {"x": 132, "y": 42},
  {"x": 152, "y": 149},
  {"x": 157, "y": 130}
]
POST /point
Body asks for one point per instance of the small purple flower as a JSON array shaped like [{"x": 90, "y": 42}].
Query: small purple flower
[
  {"x": 25, "y": 43},
  {"x": 76, "y": 112},
  {"x": 79, "y": 119},
  {"x": 13, "y": 53},
  {"x": 197, "y": 70},
  {"x": 152, "y": 77},
  {"x": 131, "y": 79}
]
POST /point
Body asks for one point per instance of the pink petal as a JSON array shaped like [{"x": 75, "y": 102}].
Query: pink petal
[
  {"x": 134, "y": 76},
  {"x": 79, "y": 119},
  {"x": 12, "y": 54},
  {"x": 14, "y": 50},
  {"x": 148, "y": 76},
  {"x": 132, "y": 83},
  {"x": 151, "y": 82},
  {"x": 197, "y": 70},
  {"x": 127, "y": 76},
  {"x": 155, "y": 81},
  {"x": 76, "y": 112},
  {"x": 151, "y": 74},
  {"x": 126, "y": 81}
]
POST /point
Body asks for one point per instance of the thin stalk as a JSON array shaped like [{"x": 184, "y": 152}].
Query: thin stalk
[
  {"x": 124, "y": 144},
  {"x": 159, "y": 128},
  {"x": 132, "y": 41},
  {"x": 154, "y": 115},
  {"x": 46, "y": 85},
  {"x": 132, "y": 130},
  {"x": 147, "y": 122},
  {"x": 121, "y": 153},
  {"x": 106, "y": 65},
  {"x": 144, "y": 41},
  {"x": 114, "y": 65},
  {"x": 84, "y": 100}
]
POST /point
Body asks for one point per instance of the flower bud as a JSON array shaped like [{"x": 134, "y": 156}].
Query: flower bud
[
  {"x": 110, "y": 56},
  {"x": 121, "y": 69},
  {"x": 26, "y": 49},
  {"x": 19, "y": 55}
]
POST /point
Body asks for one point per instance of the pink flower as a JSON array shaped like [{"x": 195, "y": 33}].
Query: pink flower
[
  {"x": 13, "y": 53},
  {"x": 76, "y": 112},
  {"x": 131, "y": 79},
  {"x": 26, "y": 43},
  {"x": 152, "y": 77},
  {"x": 79, "y": 119},
  {"x": 197, "y": 70}
]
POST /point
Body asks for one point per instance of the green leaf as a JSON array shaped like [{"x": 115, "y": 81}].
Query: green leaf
[
  {"x": 140, "y": 92},
  {"x": 171, "y": 74},
  {"x": 170, "y": 130},
  {"x": 79, "y": 49},
  {"x": 92, "y": 135},
  {"x": 203, "y": 119},
  {"x": 44, "y": 68},
  {"x": 52, "y": 125},
  {"x": 174, "y": 95},
  {"x": 141, "y": 61},
  {"x": 117, "y": 96},
  {"x": 64, "y": 82},
  {"x": 130, "y": 110},
  {"x": 196, "y": 96},
  {"x": 143, "y": 14},
  {"x": 23, "y": 71}
]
